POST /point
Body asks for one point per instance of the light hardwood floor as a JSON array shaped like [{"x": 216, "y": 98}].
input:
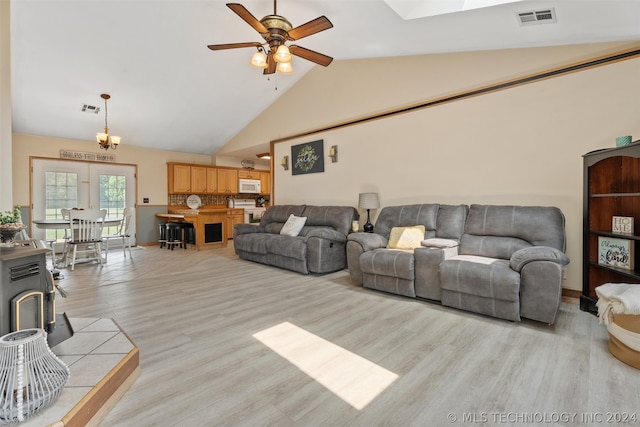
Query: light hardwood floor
[{"x": 193, "y": 316}]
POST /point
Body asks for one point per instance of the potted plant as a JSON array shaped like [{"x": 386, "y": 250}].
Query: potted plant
[{"x": 10, "y": 225}]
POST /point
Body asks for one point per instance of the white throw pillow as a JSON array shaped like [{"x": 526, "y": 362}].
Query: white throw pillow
[{"x": 294, "y": 225}]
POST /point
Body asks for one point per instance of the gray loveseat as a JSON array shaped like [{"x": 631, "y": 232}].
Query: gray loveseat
[
  {"x": 320, "y": 247},
  {"x": 501, "y": 261}
]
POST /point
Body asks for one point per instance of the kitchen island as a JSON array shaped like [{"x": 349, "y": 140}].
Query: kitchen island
[{"x": 213, "y": 224}]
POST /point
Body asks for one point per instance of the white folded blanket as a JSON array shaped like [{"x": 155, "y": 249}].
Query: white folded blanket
[{"x": 617, "y": 298}]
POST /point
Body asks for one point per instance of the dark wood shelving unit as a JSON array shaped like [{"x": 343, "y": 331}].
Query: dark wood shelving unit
[{"x": 611, "y": 188}]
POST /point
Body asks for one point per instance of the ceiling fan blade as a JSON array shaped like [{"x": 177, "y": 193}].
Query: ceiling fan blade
[
  {"x": 243, "y": 13},
  {"x": 271, "y": 65},
  {"x": 233, "y": 45},
  {"x": 311, "y": 27},
  {"x": 310, "y": 55}
]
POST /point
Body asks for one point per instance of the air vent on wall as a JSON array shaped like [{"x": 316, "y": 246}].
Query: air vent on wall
[
  {"x": 90, "y": 108},
  {"x": 546, "y": 16}
]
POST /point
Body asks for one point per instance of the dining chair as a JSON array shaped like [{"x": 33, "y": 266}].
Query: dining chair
[
  {"x": 60, "y": 241},
  {"x": 122, "y": 234},
  {"x": 85, "y": 235}
]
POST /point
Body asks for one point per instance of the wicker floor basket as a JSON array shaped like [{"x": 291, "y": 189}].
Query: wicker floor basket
[
  {"x": 621, "y": 351},
  {"x": 31, "y": 376}
]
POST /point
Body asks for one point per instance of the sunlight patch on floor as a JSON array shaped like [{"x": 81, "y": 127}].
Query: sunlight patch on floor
[{"x": 354, "y": 379}]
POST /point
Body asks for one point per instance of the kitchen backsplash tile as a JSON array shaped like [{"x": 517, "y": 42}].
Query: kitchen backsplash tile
[{"x": 207, "y": 199}]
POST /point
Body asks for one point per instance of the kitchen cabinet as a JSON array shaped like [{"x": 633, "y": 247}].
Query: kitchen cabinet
[
  {"x": 212, "y": 180},
  {"x": 198, "y": 179},
  {"x": 611, "y": 188},
  {"x": 227, "y": 181},
  {"x": 265, "y": 183},
  {"x": 234, "y": 216},
  {"x": 248, "y": 174},
  {"x": 179, "y": 178},
  {"x": 183, "y": 178}
]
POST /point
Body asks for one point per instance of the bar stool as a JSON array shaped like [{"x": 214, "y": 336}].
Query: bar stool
[
  {"x": 163, "y": 235},
  {"x": 175, "y": 235}
]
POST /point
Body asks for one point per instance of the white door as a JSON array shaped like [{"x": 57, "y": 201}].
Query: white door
[{"x": 57, "y": 184}]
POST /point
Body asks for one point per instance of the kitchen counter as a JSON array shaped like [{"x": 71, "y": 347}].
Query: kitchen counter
[
  {"x": 206, "y": 216},
  {"x": 185, "y": 210}
]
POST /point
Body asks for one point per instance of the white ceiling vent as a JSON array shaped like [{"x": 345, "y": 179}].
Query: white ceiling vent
[
  {"x": 90, "y": 109},
  {"x": 545, "y": 16}
]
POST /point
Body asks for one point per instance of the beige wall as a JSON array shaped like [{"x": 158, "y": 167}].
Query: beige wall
[
  {"x": 6, "y": 202},
  {"x": 519, "y": 146},
  {"x": 152, "y": 164}
]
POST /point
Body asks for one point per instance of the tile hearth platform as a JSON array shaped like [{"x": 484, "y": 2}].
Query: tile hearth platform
[{"x": 103, "y": 362}]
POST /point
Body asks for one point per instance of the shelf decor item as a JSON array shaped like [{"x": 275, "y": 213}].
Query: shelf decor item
[
  {"x": 622, "y": 224},
  {"x": 614, "y": 252},
  {"x": 621, "y": 141}
]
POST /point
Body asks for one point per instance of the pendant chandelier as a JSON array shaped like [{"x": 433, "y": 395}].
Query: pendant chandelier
[{"x": 105, "y": 140}]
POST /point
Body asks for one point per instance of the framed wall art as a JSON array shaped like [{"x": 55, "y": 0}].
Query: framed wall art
[{"x": 307, "y": 158}]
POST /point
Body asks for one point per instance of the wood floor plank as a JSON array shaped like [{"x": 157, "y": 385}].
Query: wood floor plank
[{"x": 193, "y": 316}]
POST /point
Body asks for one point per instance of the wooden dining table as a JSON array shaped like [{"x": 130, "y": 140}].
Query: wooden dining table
[{"x": 61, "y": 223}]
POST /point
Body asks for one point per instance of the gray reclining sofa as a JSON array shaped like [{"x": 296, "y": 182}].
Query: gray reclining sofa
[
  {"x": 320, "y": 247},
  {"x": 501, "y": 261}
]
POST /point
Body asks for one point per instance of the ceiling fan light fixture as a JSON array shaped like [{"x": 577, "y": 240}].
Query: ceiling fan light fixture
[
  {"x": 282, "y": 54},
  {"x": 276, "y": 31},
  {"x": 284, "y": 68},
  {"x": 259, "y": 60}
]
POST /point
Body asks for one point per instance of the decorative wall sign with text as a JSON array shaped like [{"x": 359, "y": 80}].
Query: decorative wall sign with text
[
  {"x": 82, "y": 155},
  {"x": 307, "y": 158},
  {"x": 616, "y": 252},
  {"x": 622, "y": 224}
]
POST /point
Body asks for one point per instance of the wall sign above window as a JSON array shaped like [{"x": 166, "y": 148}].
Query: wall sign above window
[{"x": 92, "y": 157}]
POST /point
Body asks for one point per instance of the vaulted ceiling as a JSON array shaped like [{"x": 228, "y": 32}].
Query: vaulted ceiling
[{"x": 169, "y": 91}]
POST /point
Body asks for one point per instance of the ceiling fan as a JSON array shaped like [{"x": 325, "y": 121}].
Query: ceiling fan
[{"x": 273, "y": 55}]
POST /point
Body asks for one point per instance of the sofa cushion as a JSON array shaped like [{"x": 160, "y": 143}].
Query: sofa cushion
[
  {"x": 407, "y": 215},
  {"x": 535, "y": 225},
  {"x": 288, "y": 246},
  {"x": 406, "y": 237},
  {"x": 280, "y": 214},
  {"x": 253, "y": 242},
  {"x": 388, "y": 262},
  {"x": 293, "y": 225},
  {"x": 451, "y": 220},
  {"x": 273, "y": 227},
  {"x": 491, "y": 246},
  {"x": 481, "y": 276},
  {"x": 338, "y": 217}
]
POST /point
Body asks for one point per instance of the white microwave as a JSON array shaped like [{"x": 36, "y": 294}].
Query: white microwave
[{"x": 249, "y": 186}]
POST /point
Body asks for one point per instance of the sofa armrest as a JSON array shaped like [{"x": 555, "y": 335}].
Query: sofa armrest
[
  {"x": 439, "y": 243},
  {"x": 368, "y": 241},
  {"x": 326, "y": 233},
  {"x": 357, "y": 244},
  {"x": 239, "y": 229},
  {"x": 524, "y": 256}
]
